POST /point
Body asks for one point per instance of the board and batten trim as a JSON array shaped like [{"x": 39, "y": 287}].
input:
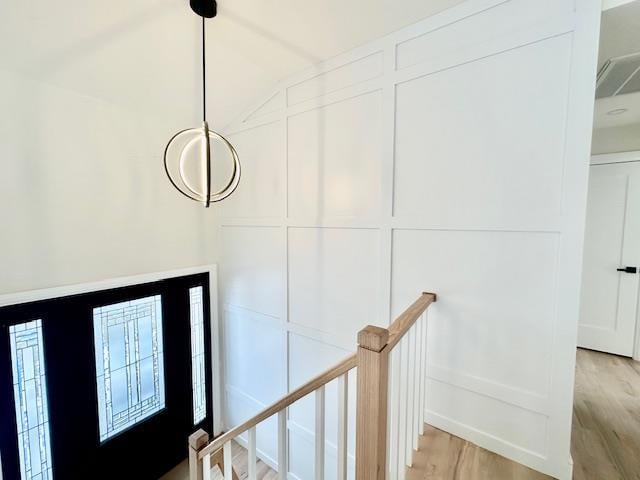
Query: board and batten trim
[
  {"x": 340, "y": 342},
  {"x": 517, "y": 397},
  {"x": 539, "y": 32},
  {"x": 579, "y": 29}
]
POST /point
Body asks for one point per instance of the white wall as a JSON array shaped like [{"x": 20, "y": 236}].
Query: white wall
[
  {"x": 83, "y": 190},
  {"x": 448, "y": 157},
  {"x": 625, "y": 138}
]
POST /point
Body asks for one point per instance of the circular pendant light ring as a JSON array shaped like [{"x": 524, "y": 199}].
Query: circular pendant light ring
[
  {"x": 175, "y": 165},
  {"x": 234, "y": 179}
]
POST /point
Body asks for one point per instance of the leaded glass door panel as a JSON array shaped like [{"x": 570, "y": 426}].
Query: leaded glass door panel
[{"x": 129, "y": 354}]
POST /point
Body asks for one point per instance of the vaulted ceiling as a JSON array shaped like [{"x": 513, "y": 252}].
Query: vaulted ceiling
[
  {"x": 618, "y": 37},
  {"x": 144, "y": 54}
]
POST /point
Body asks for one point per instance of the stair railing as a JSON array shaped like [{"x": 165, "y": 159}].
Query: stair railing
[
  {"x": 391, "y": 390},
  {"x": 392, "y": 374}
]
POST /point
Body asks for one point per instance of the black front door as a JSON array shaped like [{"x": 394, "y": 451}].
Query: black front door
[{"x": 124, "y": 378}]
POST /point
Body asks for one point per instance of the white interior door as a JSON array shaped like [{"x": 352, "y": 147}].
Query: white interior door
[{"x": 611, "y": 259}]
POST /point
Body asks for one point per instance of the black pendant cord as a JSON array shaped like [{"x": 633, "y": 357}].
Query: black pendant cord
[
  {"x": 204, "y": 74},
  {"x": 205, "y": 126}
]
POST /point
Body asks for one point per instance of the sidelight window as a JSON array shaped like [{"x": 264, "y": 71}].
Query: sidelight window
[
  {"x": 198, "y": 355},
  {"x": 30, "y": 396}
]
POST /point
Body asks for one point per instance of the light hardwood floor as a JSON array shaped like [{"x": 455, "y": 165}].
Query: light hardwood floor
[
  {"x": 606, "y": 418},
  {"x": 605, "y": 443},
  {"x": 605, "y": 436},
  {"x": 442, "y": 456}
]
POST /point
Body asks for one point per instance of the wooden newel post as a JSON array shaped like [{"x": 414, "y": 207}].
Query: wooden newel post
[
  {"x": 197, "y": 441},
  {"x": 371, "y": 423}
]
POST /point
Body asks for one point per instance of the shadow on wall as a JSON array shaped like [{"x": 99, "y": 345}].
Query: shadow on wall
[
  {"x": 78, "y": 50},
  {"x": 269, "y": 36}
]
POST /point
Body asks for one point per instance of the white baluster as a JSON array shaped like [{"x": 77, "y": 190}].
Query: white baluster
[
  {"x": 228, "y": 462},
  {"x": 419, "y": 380},
  {"x": 343, "y": 416},
  {"x": 423, "y": 406},
  {"x": 206, "y": 467},
  {"x": 410, "y": 393},
  {"x": 252, "y": 470},
  {"x": 282, "y": 445},
  {"x": 393, "y": 413},
  {"x": 423, "y": 391},
  {"x": 319, "y": 470},
  {"x": 402, "y": 416},
  {"x": 418, "y": 384}
]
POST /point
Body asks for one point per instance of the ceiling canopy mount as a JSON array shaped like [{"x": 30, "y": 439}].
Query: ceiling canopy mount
[{"x": 204, "y": 8}]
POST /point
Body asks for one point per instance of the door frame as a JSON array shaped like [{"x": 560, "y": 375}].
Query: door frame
[
  {"x": 609, "y": 159},
  {"x": 619, "y": 157},
  {"x": 107, "y": 284}
]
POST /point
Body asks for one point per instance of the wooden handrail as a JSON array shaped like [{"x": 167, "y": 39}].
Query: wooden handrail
[
  {"x": 405, "y": 321},
  {"x": 340, "y": 369},
  {"x": 372, "y": 360}
]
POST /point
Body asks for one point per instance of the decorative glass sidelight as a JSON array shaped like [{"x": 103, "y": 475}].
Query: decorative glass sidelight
[
  {"x": 198, "y": 355},
  {"x": 30, "y": 396},
  {"x": 129, "y": 363}
]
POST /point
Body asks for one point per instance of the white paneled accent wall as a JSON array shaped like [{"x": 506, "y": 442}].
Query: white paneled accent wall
[{"x": 448, "y": 157}]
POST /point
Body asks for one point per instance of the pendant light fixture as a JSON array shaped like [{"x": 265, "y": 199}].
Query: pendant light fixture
[{"x": 187, "y": 156}]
